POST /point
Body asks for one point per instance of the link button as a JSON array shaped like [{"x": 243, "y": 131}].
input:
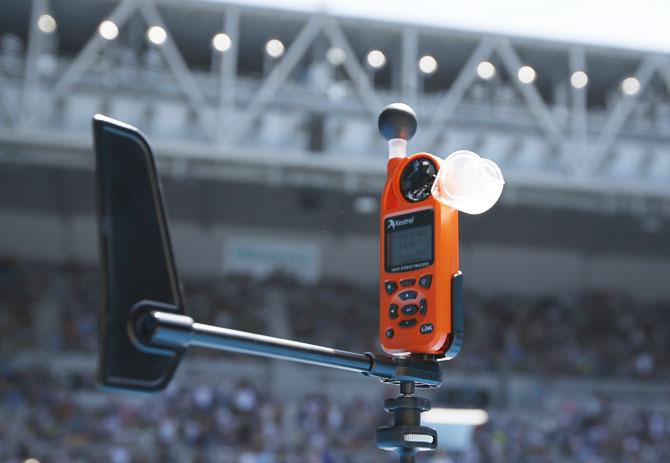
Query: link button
[{"x": 426, "y": 328}]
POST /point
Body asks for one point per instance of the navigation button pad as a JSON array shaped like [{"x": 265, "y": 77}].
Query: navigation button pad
[
  {"x": 406, "y": 295},
  {"x": 425, "y": 281},
  {"x": 407, "y": 323},
  {"x": 390, "y": 286},
  {"x": 393, "y": 311}
]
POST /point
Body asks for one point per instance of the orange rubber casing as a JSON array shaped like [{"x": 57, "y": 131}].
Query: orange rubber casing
[{"x": 438, "y": 296}]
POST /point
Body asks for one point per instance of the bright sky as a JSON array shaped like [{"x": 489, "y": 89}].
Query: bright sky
[{"x": 637, "y": 24}]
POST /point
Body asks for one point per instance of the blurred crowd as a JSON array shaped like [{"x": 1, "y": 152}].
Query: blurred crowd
[
  {"x": 598, "y": 334},
  {"x": 586, "y": 334},
  {"x": 60, "y": 417},
  {"x": 594, "y": 430}
]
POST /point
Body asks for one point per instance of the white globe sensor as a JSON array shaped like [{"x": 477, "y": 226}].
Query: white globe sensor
[{"x": 468, "y": 182}]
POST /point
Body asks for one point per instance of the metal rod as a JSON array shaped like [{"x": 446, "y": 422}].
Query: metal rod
[{"x": 180, "y": 330}]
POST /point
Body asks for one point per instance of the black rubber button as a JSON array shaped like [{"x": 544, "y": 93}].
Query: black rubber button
[
  {"x": 407, "y": 282},
  {"x": 407, "y": 323},
  {"x": 423, "y": 307},
  {"x": 425, "y": 281},
  {"x": 393, "y": 311},
  {"x": 409, "y": 309},
  {"x": 390, "y": 287},
  {"x": 405, "y": 295},
  {"x": 390, "y": 333},
  {"x": 426, "y": 328}
]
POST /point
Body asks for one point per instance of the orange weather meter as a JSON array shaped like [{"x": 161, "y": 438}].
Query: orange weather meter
[{"x": 421, "y": 310}]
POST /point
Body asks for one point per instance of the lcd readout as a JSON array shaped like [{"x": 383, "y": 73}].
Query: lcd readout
[{"x": 411, "y": 246}]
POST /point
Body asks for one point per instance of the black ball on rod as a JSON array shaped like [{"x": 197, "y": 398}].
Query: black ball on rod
[{"x": 397, "y": 120}]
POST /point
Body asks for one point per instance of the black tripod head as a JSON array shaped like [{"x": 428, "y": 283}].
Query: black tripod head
[{"x": 406, "y": 436}]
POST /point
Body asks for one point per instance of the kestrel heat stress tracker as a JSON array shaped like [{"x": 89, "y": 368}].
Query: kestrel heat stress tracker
[{"x": 421, "y": 310}]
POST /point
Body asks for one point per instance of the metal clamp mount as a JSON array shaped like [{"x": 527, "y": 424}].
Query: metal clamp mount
[{"x": 406, "y": 436}]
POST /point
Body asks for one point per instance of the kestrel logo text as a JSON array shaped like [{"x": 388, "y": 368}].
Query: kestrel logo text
[{"x": 393, "y": 223}]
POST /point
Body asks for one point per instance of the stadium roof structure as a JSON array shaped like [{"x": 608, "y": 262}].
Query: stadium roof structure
[{"x": 571, "y": 125}]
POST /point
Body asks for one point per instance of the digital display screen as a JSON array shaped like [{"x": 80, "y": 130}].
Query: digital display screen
[
  {"x": 408, "y": 241},
  {"x": 410, "y": 247}
]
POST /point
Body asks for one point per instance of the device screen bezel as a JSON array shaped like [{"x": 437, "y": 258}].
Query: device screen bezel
[{"x": 412, "y": 219}]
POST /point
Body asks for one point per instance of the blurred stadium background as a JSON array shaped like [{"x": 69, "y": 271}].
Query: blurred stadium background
[{"x": 263, "y": 121}]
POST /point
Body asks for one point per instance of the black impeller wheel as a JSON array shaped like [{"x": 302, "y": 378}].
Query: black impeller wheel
[{"x": 417, "y": 179}]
